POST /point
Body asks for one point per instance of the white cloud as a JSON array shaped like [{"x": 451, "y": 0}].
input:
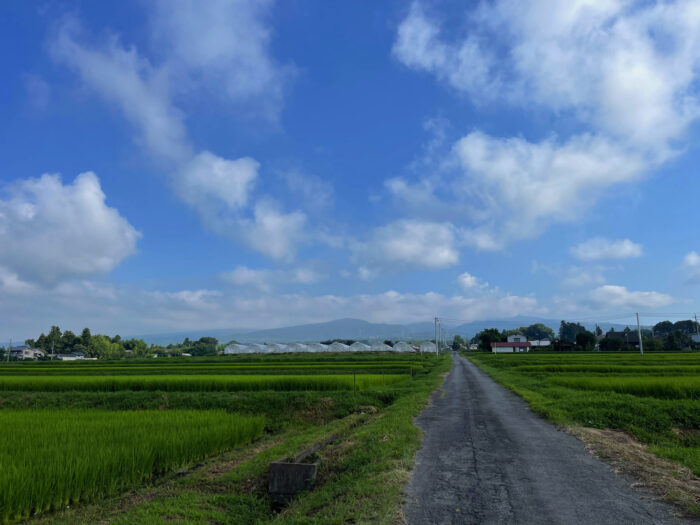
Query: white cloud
[
  {"x": 691, "y": 262},
  {"x": 244, "y": 276},
  {"x": 628, "y": 72},
  {"x": 628, "y": 68},
  {"x": 518, "y": 187},
  {"x": 274, "y": 233},
  {"x": 466, "y": 65},
  {"x": 225, "y": 46},
  {"x": 120, "y": 75},
  {"x": 576, "y": 276},
  {"x": 50, "y": 231},
  {"x": 600, "y": 248},
  {"x": 225, "y": 37},
  {"x": 207, "y": 180},
  {"x": 266, "y": 280},
  {"x": 470, "y": 282},
  {"x": 411, "y": 243},
  {"x": 611, "y": 296}
]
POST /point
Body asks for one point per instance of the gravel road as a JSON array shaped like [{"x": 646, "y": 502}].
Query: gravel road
[{"x": 487, "y": 458}]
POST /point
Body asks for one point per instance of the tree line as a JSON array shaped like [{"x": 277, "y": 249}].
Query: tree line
[
  {"x": 103, "y": 346},
  {"x": 665, "y": 335}
]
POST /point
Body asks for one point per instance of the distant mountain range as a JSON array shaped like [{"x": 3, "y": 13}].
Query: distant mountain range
[{"x": 359, "y": 330}]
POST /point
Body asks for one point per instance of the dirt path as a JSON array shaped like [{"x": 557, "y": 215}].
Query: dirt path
[{"x": 487, "y": 458}]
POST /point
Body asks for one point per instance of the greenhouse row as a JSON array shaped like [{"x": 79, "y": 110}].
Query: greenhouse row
[{"x": 236, "y": 349}]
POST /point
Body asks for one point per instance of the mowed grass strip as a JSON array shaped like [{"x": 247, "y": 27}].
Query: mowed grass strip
[
  {"x": 198, "y": 383},
  {"x": 661, "y": 387},
  {"x": 59, "y": 457}
]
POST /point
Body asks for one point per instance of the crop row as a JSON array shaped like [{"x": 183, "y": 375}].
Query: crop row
[
  {"x": 135, "y": 370},
  {"x": 198, "y": 383},
  {"x": 56, "y": 458},
  {"x": 660, "y": 387},
  {"x": 661, "y": 370}
]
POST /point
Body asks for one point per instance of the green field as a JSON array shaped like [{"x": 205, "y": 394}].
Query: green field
[
  {"x": 87, "y": 431},
  {"x": 654, "y": 397},
  {"x": 57, "y": 458}
]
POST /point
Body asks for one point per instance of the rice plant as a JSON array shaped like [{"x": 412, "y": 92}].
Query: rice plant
[
  {"x": 56, "y": 458},
  {"x": 198, "y": 383}
]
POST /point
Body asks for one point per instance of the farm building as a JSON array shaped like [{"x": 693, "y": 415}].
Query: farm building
[
  {"x": 25, "y": 352},
  {"x": 515, "y": 343},
  {"x": 541, "y": 342}
]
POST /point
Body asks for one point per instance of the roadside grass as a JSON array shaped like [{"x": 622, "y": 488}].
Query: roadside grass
[
  {"x": 361, "y": 478},
  {"x": 660, "y": 410}
]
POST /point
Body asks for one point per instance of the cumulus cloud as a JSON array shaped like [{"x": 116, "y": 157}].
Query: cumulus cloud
[
  {"x": 273, "y": 232},
  {"x": 628, "y": 72},
  {"x": 612, "y": 296},
  {"x": 411, "y": 243},
  {"x": 601, "y": 248},
  {"x": 520, "y": 187},
  {"x": 470, "y": 282},
  {"x": 50, "y": 231},
  {"x": 207, "y": 180},
  {"x": 603, "y": 60}
]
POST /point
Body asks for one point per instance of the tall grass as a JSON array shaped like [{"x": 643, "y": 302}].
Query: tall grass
[
  {"x": 50, "y": 459},
  {"x": 197, "y": 383}
]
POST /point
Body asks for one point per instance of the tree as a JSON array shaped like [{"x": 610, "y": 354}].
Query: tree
[
  {"x": 598, "y": 330},
  {"x": 86, "y": 337},
  {"x": 104, "y": 348},
  {"x": 585, "y": 341},
  {"x": 30, "y": 343},
  {"x": 568, "y": 331},
  {"x": 652, "y": 345},
  {"x": 53, "y": 340},
  {"x": 458, "y": 342},
  {"x": 68, "y": 341},
  {"x": 42, "y": 342},
  {"x": 537, "y": 332},
  {"x": 677, "y": 340},
  {"x": 663, "y": 328},
  {"x": 488, "y": 336},
  {"x": 611, "y": 344},
  {"x": 687, "y": 327}
]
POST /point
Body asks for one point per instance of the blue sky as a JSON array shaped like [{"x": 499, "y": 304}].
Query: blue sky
[{"x": 178, "y": 165}]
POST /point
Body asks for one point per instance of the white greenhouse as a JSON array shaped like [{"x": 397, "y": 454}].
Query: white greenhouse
[
  {"x": 359, "y": 347},
  {"x": 338, "y": 347},
  {"x": 402, "y": 346},
  {"x": 381, "y": 347},
  {"x": 428, "y": 347},
  {"x": 318, "y": 347}
]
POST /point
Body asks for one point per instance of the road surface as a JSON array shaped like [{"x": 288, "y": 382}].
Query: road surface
[{"x": 487, "y": 458}]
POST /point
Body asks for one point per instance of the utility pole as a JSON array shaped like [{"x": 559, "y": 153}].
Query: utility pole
[
  {"x": 436, "y": 333},
  {"x": 639, "y": 334},
  {"x": 697, "y": 328}
]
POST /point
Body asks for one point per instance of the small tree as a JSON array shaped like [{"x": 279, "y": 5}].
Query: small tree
[
  {"x": 585, "y": 341},
  {"x": 488, "y": 336}
]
